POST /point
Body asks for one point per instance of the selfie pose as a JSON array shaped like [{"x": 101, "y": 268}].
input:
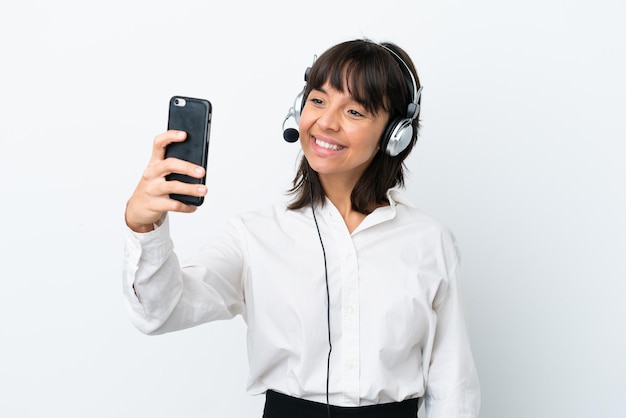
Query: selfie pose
[{"x": 351, "y": 295}]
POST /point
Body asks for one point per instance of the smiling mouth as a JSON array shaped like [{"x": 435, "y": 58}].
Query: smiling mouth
[{"x": 326, "y": 145}]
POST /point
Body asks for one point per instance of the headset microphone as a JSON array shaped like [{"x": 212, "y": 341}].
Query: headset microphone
[{"x": 290, "y": 134}]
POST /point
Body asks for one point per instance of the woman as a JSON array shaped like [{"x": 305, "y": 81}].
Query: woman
[{"x": 351, "y": 296}]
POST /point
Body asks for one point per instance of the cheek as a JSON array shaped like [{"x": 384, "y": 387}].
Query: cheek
[
  {"x": 305, "y": 117},
  {"x": 378, "y": 139},
  {"x": 368, "y": 140},
  {"x": 304, "y": 126}
]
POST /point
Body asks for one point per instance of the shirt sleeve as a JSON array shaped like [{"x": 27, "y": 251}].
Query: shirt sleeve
[
  {"x": 163, "y": 295},
  {"x": 452, "y": 389}
]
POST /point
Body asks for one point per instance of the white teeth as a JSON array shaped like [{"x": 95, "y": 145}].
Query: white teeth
[{"x": 327, "y": 145}]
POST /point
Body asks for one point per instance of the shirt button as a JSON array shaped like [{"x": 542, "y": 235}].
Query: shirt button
[{"x": 349, "y": 309}]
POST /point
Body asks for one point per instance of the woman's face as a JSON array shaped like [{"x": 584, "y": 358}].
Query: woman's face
[{"x": 339, "y": 137}]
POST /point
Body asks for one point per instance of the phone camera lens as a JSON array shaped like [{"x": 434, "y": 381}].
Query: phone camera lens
[{"x": 176, "y": 101}]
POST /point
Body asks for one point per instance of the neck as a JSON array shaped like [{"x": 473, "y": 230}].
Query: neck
[{"x": 339, "y": 193}]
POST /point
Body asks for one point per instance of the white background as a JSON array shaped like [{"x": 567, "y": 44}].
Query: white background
[{"x": 521, "y": 154}]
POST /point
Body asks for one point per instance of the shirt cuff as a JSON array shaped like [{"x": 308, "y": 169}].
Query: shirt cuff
[{"x": 152, "y": 245}]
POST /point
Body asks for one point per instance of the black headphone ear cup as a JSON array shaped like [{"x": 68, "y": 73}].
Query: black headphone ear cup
[{"x": 397, "y": 136}]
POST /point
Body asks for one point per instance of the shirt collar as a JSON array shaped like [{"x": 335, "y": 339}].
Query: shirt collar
[
  {"x": 395, "y": 197},
  {"x": 385, "y": 213}
]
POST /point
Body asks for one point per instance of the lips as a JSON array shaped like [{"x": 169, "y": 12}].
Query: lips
[{"x": 326, "y": 145}]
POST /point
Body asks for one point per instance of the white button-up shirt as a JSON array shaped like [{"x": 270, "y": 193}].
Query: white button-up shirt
[{"x": 396, "y": 317}]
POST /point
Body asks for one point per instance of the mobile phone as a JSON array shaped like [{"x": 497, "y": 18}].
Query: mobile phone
[{"x": 193, "y": 116}]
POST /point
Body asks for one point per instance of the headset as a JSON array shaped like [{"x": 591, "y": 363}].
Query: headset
[
  {"x": 398, "y": 133},
  {"x": 292, "y": 134}
]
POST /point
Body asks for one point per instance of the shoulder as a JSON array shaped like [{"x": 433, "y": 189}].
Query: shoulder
[
  {"x": 424, "y": 234},
  {"x": 277, "y": 212},
  {"x": 414, "y": 219},
  {"x": 269, "y": 219}
]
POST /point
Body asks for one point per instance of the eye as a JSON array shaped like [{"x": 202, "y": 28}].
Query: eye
[
  {"x": 316, "y": 101},
  {"x": 356, "y": 113}
]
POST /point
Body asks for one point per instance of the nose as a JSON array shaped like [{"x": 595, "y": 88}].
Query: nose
[{"x": 329, "y": 119}]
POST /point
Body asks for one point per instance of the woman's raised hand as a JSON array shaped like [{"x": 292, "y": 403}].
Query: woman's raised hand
[{"x": 151, "y": 199}]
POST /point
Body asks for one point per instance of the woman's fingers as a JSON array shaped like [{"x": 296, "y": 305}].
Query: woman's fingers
[
  {"x": 151, "y": 198},
  {"x": 160, "y": 142}
]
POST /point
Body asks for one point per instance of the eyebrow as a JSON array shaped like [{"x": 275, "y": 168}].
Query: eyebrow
[{"x": 320, "y": 89}]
